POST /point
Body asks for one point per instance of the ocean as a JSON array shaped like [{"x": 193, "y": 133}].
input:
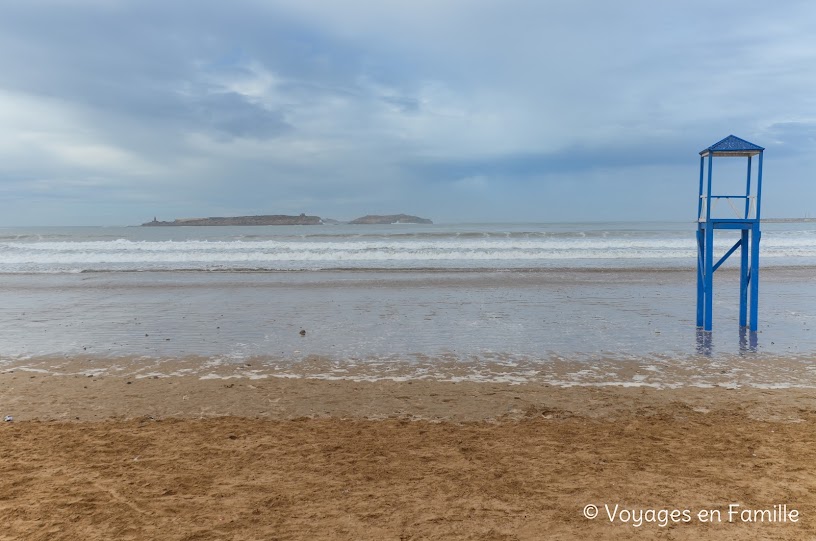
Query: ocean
[
  {"x": 569, "y": 303},
  {"x": 395, "y": 247}
]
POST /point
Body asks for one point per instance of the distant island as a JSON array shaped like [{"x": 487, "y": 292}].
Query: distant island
[
  {"x": 267, "y": 219},
  {"x": 391, "y": 219},
  {"x": 788, "y": 220},
  {"x": 282, "y": 219}
]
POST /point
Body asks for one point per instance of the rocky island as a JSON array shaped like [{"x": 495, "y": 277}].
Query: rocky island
[
  {"x": 267, "y": 219},
  {"x": 391, "y": 219},
  {"x": 282, "y": 219}
]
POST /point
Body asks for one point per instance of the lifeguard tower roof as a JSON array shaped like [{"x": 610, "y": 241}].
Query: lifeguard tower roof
[{"x": 732, "y": 146}]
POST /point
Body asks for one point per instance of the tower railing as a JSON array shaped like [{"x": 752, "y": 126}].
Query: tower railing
[{"x": 745, "y": 210}]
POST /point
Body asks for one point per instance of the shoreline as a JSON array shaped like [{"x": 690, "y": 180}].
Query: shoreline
[
  {"x": 784, "y": 270},
  {"x": 31, "y": 396},
  {"x": 748, "y": 370}
]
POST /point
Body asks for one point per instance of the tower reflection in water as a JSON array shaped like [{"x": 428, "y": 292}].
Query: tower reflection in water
[{"x": 705, "y": 341}]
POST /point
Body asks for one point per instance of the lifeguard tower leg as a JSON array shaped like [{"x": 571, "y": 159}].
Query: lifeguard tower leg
[
  {"x": 755, "y": 235},
  {"x": 709, "y": 277},
  {"x": 700, "y": 279},
  {"x": 743, "y": 309}
]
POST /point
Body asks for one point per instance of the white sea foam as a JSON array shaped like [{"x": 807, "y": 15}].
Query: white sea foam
[{"x": 64, "y": 253}]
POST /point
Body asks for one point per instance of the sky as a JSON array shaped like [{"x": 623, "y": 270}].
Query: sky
[{"x": 113, "y": 112}]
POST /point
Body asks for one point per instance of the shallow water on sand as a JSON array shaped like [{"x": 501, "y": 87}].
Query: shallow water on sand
[{"x": 366, "y": 315}]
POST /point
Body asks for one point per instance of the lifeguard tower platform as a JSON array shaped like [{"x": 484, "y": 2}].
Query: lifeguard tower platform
[{"x": 740, "y": 212}]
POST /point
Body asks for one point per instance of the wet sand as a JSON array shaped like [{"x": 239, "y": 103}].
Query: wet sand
[
  {"x": 544, "y": 314},
  {"x": 184, "y": 458}
]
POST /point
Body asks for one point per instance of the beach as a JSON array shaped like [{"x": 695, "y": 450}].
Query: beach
[
  {"x": 282, "y": 458},
  {"x": 484, "y": 382},
  {"x": 407, "y": 271}
]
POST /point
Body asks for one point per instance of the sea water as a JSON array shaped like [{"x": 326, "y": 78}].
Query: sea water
[
  {"x": 465, "y": 246},
  {"x": 521, "y": 296}
]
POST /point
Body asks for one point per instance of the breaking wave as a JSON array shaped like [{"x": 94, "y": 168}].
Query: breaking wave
[{"x": 393, "y": 250}]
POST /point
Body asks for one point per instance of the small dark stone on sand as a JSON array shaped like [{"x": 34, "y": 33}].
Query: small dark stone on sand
[{"x": 302, "y": 332}]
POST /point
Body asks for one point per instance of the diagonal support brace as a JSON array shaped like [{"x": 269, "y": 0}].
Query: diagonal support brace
[{"x": 728, "y": 253}]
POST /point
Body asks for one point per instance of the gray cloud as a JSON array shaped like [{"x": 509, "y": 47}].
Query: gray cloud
[
  {"x": 793, "y": 137},
  {"x": 232, "y": 114},
  {"x": 145, "y": 107}
]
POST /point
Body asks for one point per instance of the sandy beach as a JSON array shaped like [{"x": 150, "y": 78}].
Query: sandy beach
[
  {"x": 157, "y": 396},
  {"x": 282, "y": 458}
]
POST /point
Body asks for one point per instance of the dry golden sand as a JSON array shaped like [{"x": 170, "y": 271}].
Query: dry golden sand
[{"x": 181, "y": 458}]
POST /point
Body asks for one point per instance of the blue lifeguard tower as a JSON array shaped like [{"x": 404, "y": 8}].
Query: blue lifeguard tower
[{"x": 740, "y": 212}]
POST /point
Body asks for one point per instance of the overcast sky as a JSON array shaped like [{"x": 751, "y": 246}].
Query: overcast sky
[{"x": 112, "y": 112}]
